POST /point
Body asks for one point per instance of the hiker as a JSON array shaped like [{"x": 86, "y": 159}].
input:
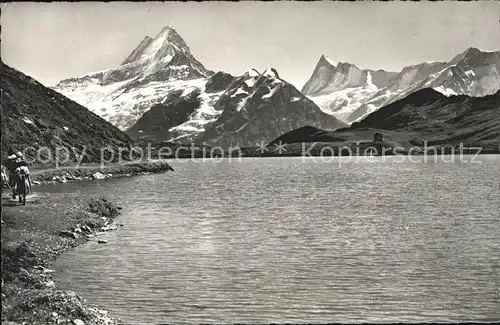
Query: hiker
[
  {"x": 17, "y": 166},
  {"x": 22, "y": 170}
]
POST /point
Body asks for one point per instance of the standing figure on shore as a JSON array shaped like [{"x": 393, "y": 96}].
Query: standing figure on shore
[
  {"x": 11, "y": 167},
  {"x": 18, "y": 167}
]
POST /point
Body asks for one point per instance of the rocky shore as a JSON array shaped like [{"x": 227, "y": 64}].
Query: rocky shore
[
  {"x": 94, "y": 171},
  {"x": 33, "y": 236}
]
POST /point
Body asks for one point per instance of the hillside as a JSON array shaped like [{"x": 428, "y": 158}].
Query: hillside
[
  {"x": 307, "y": 134},
  {"x": 36, "y": 116},
  {"x": 426, "y": 115},
  {"x": 439, "y": 118}
]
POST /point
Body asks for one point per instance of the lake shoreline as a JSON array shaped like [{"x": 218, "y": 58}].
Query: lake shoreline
[
  {"x": 65, "y": 174},
  {"x": 35, "y": 235}
]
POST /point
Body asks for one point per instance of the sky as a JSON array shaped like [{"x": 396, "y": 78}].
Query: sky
[{"x": 54, "y": 41}]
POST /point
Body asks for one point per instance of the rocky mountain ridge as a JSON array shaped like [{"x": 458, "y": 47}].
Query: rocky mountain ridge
[
  {"x": 161, "y": 91},
  {"x": 350, "y": 93},
  {"x": 244, "y": 111}
]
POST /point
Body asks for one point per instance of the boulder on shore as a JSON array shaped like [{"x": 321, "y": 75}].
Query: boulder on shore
[{"x": 98, "y": 175}]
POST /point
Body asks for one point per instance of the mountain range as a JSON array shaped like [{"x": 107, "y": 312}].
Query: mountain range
[
  {"x": 162, "y": 92},
  {"x": 350, "y": 93}
]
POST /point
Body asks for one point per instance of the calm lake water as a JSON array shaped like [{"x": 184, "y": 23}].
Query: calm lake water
[{"x": 297, "y": 241}]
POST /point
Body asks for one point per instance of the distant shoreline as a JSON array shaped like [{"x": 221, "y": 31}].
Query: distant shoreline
[
  {"x": 153, "y": 157},
  {"x": 254, "y": 153},
  {"x": 168, "y": 151}
]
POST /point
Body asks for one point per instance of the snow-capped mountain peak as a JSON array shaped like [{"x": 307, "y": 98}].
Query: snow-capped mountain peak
[
  {"x": 326, "y": 61},
  {"x": 252, "y": 73},
  {"x": 350, "y": 93},
  {"x": 468, "y": 53},
  {"x": 270, "y": 72},
  {"x": 330, "y": 76},
  {"x": 330, "y": 61},
  {"x": 120, "y": 95},
  {"x": 166, "y": 42}
]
